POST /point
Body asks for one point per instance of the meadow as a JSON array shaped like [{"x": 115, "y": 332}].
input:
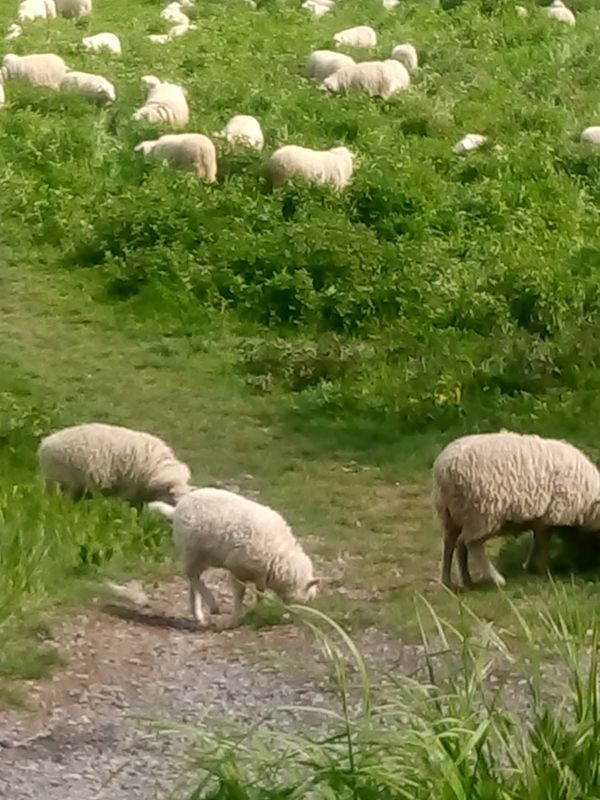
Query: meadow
[{"x": 320, "y": 348}]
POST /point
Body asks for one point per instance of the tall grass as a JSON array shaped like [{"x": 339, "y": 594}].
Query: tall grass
[{"x": 478, "y": 721}]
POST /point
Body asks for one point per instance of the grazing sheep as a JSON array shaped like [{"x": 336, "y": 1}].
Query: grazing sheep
[
  {"x": 130, "y": 464},
  {"x": 74, "y": 8},
  {"x": 322, "y": 63},
  {"x": 14, "y": 31},
  {"x": 166, "y": 103},
  {"x": 244, "y": 130},
  {"x": 159, "y": 38},
  {"x": 322, "y": 166},
  {"x": 103, "y": 41},
  {"x": 181, "y": 30},
  {"x": 36, "y": 9},
  {"x": 521, "y": 12},
  {"x": 376, "y": 78},
  {"x": 189, "y": 151},
  {"x": 38, "y": 69},
  {"x": 472, "y": 141},
  {"x": 318, "y": 8},
  {"x": 217, "y": 528},
  {"x": 407, "y": 55},
  {"x": 360, "y": 36},
  {"x": 558, "y": 10},
  {"x": 591, "y": 135},
  {"x": 389, "y": 5},
  {"x": 173, "y": 13},
  {"x": 493, "y": 483},
  {"x": 94, "y": 87}
]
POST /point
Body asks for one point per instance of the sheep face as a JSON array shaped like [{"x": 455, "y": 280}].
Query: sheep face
[{"x": 145, "y": 148}]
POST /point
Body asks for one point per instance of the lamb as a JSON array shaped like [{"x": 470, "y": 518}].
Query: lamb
[
  {"x": 174, "y": 32},
  {"x": 244, "y": 130},
  {"x": 129, "y": 464},
  {"x": 173, "y": 13},
  {"x": 376, "y": 78},
  {"x": 390, "y": 5},
  {"x": 318, "y": 8},
  {"x": 36, "y": 9},
  {"x": 470, "y": 142},
  {"x": 360, "y": 36},
  {"x": 189, "y": 151},
  {"x": 558, "y": 10},
  {"x": 488, "y": 484},
  {"x": 591, "y": 135},
  {"x": 103, "y": 41},
  {"x": 13, "y": 31},
  {"x": 322, "y": 63},
  {"x": 94, "y": 87},
  {"x": 217, "y": 528},
  {"x": 74, "y": 8},
  {"x": 166, "y": 103},
  {"x": 333, "y": 166},
  {"x": 521, "y": 12},
  {"x": 38, "y": 69},
  {"x": 407, "y": 55}
]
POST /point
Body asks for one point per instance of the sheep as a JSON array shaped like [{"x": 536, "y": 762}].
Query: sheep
[
  {"x": 322, "y": 63},
  {"x": 376, "y": 78},
  {"x": 159, "y": 38},
  {"x": 2, "y": 95},
  {"x": 390, "y": 5},
  {"x": 360, "y": 36},
  {"x": 73, "y": 8},
  {"x": 103, "y": 41},
  {"x": 318, "y": 8},
  {"x": 472, "y": 141},
  {"x": 37, "y": 69},
  {"x": 36, "y": 9},
  {"x": 591, "y": 135},
  {"x": 129, "y": 464},
  {"x": 521, "y": 12},
  {"x": 333, "y": 166},
  {"x": 217, "y": 528},
  {"x": 13, "y": 31},
  {"x": 407, "y": 55},
  {"x": 244, "y": 130},
  {"x": 174, "y": 32},
  {"x": 189, "y": 151},
  {"x": 94, "y": 87},
  {"x": 488, "y": 484},
  {"x": 558, "y": 10},
  {"x": 165, "y": 103},
  {"x": 173, "y": 13}
]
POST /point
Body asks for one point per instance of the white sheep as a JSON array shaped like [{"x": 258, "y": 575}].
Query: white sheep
[
  {"x": 332, "y": 166},
  {"x": 13, "y": 31},
  {"x": 103, "y": 41},
  {"x": 217, "y": 528},
  {"x": 36, "y": 9},
  {"x": 130, "y": 464},
  {"x": 360, "y": 36},
  {"x": 181, "y": 30},
  {"x": 591, "y": 135},
  {"x": 488, "y": 484},
  {"x": 322, "y": 63},
  {"x": 159, "y": 38},
  {"x": 173, "y": 13},
  {"x": 406, "y": 54},
  {"x": 244, "y": 130},
  {"x": 37, "y": 69},
  {"x": 470, "y": 142},
  {"x": 96, "y": 88},
  {"x": 165, "y": 103},
  {"x": 376, "y": 78},
  {"x": 318, "y": 8},
  {"x": 521, "y": 12},
  {"x": 390, "y": 5},
  {"x": 558, "y": 10},
  {"x": 190, "y": 151},
  {"x": 73, "y": 8},
  {"x": 2, "y": 95}
]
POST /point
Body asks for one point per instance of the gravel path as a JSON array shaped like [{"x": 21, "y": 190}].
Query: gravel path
[{"x": 84, "y": 740}]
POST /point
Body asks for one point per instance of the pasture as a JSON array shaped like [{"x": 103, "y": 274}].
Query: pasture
[{"x": 314, "y": 347}]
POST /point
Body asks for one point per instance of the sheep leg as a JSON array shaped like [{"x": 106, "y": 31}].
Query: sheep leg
[
  {"x": 462, "y": 554},
  {"x": 538, "y": 561},
  {"x": 489, "y": 571},
  {"x": 451, "y": 534},
  {"x": 239, "y": 590},
  {"x": 197, "y": 592},
  {"x": 208, "y": 598}
]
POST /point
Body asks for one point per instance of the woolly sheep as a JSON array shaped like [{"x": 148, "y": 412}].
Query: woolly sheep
[
  {"x": 165, "y": 103},
  {"x": 74, "y": 8},
  {"x": 322, "y": 166},
  {"x": 181, "y": 30},
  {"x": 36, "y": 9},
  {"x": 389, "y": 5},
  {"x": 14, "y": 31},
  {"x": 318, "y": 8},
  {"x": 217, "y": 528},
  {"x": 103, "y": 41},
  {"x": 360, "y": 36},
  {"x": 173, "y": 13},
  {"x": 189, "y": 151},
  {"x": 558, "y": 10},
  {"x": 130, "y": 464},
  {"x": 244, "y": 130},
  {"x": 591, "y": 135},
  {"x": 488, "y": 484},
  {"x": 521, "y": 12},
  {"x": 159, "y": 38},
  {"x": 94, "y": 87},
  {"x": 376, "y": 78},
  {"x": 322, "y": 63},
  {"x": 38, "y": 69},
  {"x": 472, "y": 141},
  {"x": 407, "y": 55}
]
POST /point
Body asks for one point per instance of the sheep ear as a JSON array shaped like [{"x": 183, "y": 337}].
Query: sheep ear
[{"x": 314, "y": 582}]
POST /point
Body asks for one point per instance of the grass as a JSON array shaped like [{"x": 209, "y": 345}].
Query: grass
[{"x": 319, "y": 348}]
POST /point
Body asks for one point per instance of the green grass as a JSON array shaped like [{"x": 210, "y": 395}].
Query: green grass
[{"x": 320, "y": 348}]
